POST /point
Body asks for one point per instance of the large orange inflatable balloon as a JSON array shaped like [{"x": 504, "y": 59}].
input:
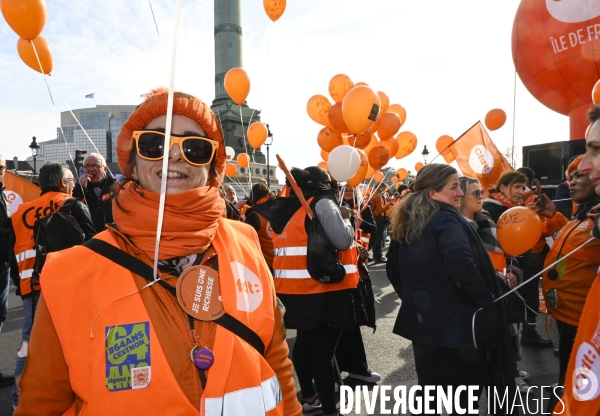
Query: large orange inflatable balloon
[
  {"x": 328, "y": 139},
  {"x": 336, "y": 119},
  {"x": 388, "y": 125},
  {"x": 407, "y": 143},
  {"x": 230, "y": 170},
  {"x": 324, "y": 155},
  {"x": 27, "y": 54},
  {"x": 257, "y": 134},
  {"x": 402, "y": 174},
  {"x": 237, "y": 85},
  {"x": 419, "y": 166},
  {"x": 362, "y": 170},
  {"x": 378, "y": 157},
  {"x": 378, "y": 177},
  {"x": 361, "y": 141},
  {"x": 318, "y": 107},
  {"x": 555, "y": 51},
  {"x": 323, "y": 165},
  {"x": 360, "y": 108},
  {"x": 391, "y": 145},
  {"x": 596, "y": 94},
  {"x": 243, "y": 160},
  {"x": 274, "y": 8},
  {"x": 339, "y": 86},
  {"x": 519, "y": 229},
  {"x": 399, "y": 111},
  {"x": 26, "y": 17},
  {"x": 495, "y": 119},
  {"x": 384, "y": 102},
  {"x": 441, "y": 146}
]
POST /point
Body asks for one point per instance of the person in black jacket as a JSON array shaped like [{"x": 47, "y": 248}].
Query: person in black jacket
[
  {"x": 440, "y": 269},
  {"x": 95, "y": 188}
]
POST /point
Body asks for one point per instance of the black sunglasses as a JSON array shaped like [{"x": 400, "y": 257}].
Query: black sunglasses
[
  {"x": 478, "y": 193},
  {"x": 196, "y": 150}
]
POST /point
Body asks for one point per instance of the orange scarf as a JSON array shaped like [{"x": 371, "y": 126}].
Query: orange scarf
[
  {"x": 190, "y": 220},
  {"x": 499, "y": 196}
]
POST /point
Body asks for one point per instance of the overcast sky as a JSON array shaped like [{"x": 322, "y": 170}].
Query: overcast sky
[{"x": 446, "y": 62}]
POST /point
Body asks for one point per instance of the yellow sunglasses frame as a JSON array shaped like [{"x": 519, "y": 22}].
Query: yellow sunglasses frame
[{"x": 176, "y": 140}]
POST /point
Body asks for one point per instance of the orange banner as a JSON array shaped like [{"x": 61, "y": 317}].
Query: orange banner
[
  {"x": 19, "y": 190},
  {"x": 477, "y": 156}
]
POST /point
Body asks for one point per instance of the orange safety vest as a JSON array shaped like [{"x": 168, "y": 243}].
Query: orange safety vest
[
  {"x": 289, "y": 262},
  {"x": 24, "y": 220},
  {"x": 582, "y": 381},
  {"x": 116, "y": 377},
  {"x": 566, "y": 295},
  {"x": 265, "y": 238}
]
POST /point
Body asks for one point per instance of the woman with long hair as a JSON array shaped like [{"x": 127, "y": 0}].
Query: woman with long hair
[{"x": 443, "y": 274}]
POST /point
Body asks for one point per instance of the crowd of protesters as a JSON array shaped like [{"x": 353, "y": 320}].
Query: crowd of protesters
[{"x": 293, "y": 259}]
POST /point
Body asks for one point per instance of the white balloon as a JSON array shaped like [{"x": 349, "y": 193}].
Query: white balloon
[
  {"x": 343, "y": 162},
  {"x": 229, "y": 153}
]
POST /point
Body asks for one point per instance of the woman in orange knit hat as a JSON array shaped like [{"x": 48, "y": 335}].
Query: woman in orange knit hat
[{"x": 202, "y": 334}]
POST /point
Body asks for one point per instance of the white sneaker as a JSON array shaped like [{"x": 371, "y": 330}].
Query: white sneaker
[
  {"x": 521, "y": 385},
  {"x": 524, "y": 375},
  {"x": 308, "y": 407},
  {"x": 368, "y": 376}
]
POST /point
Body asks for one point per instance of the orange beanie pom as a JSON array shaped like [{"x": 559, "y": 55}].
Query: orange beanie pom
[{"x": 155, "y": 105}]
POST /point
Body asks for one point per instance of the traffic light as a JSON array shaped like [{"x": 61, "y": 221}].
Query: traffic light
[{"x": 79, "y": 159}]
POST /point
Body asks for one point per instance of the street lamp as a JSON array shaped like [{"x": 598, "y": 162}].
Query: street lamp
[
  {"x": 34, "y": 149},
  {"x": 270, "y": 136},
  {"x": 425, "y": 153}
]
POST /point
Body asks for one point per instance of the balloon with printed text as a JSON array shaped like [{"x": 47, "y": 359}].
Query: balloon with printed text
[
  {"x": 336, "y": 119},
  {"x": 384, "y": 102},
  {"x": 361, "y": 141},
  {"x": 442, "y": 147},
  {"x": 407, "y": 143},
  {"x": 362, "y": 170},
  {"x": 230, "y": 170},
  {"x": 339, "y": 86},
  {"x": 26, "y": 17},
  {"x": 343, "y": 162},
  {"x": 328, "y": 139},
  {"x": 360, "y": 109},
  {"x": 243, "y": 160},
  {"x": 519, "y": 229},
  {"x": 391, "y": 145},
  {"x": 44, "y": 52},
  {"x": 495, "y": 119},
  {"x": 237, "y": 85},
  {"x": 318, "y": 107},
  {"x": 274, "y": 8},
  {"x": 378, "y": 157},
  {"x": 257, "y": 134}
]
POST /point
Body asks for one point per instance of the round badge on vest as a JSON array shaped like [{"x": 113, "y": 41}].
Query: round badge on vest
[{"x": 198, "y": 293}]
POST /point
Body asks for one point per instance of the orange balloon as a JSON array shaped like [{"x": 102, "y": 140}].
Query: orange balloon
[
  {"x": 402, "y": 174},
  {"x": 324, "y": 155},
  {"x": 596, "y": 94},
  {"x": 274, "y": 8},
  {"x": 358, "y": 84},
  {"x": 362, "y": 170},
  {"x": 26, "y": 17},
  {"x": 318, "y": 107},
  {"x": 384, "y": 101},
  {"x": 370, "y": 172},
  {"x": 339, "y": 86},
  {"x": 257, "y": 134},
  {"x": 378, "y": 176},
  {"x": 360, "y": 109},
  {"x": 407, "y": 143},
  {"x": 394, "y": 179},
  {"x": 361, "y": 141},
  {"x": 237, "y": 85},
  {"x": 243, "y": 160},
  {"x": 442, "y": 143},
  {"x": 378, "y": 157},
  {"x": 519, "y": 229},
  {"x": 323, "y": 165},
  {"x": 230, "y": 170},
  {"x": 374, "y": 142},
  {"x": 336, "y": 119},
  {"x": 495, "y": 119},
  {"x": 391, "y": 145},
  {"x": 399, "y": 111},
  {"x": 388, "y": 125},
  {"x": 419, "y": 166},
  {"x": 328, "y": 139},
  {"x": 27, "y": 54}
]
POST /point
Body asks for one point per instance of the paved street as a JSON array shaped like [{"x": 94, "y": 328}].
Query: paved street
[{"x": 388, "y": 354}]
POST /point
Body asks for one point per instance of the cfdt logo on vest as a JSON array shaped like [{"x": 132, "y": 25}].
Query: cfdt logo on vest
[{"x": 481, "y": 160}]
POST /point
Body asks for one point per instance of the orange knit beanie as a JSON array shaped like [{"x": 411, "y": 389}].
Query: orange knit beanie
[
  {"x": 155, "y": 105},
  {"x": 574, "y": 164}
]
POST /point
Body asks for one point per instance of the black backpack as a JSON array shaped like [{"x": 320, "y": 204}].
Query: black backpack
[{"x": 55, "y": 232}]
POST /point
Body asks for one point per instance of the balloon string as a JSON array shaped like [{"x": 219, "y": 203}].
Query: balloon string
[
  {"x": 512, "y": 158},
  {"x": 154, "y": 18},
  {"x": 237, "y": 183},
  {"x": 167, "y": 145},
  {"x": 376, "y": 188}
]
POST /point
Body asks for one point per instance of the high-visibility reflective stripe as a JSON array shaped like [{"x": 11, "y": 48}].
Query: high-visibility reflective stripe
[
  {"x": 26, "y": 274},
  {"x": 252, "y": 401},
  {"x": 350, "y": 268},
  {"x": 364, "y": 239},
  {"x": 27, "y": 254},
  {"x": 290, "y": 251},
  {"x": 291, "y": 274}
]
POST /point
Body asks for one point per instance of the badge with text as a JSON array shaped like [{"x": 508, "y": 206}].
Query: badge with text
[
  {"x": 198, "y": 293},
  {"x": 127, "y": 356}
]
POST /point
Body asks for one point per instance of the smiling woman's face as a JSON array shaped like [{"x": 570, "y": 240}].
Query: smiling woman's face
[{"x": 182, "y": 176}]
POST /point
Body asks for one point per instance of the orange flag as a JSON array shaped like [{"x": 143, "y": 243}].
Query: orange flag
[
  {"x": 19, "y": 190},
  {"x": 477, "y": 156}
]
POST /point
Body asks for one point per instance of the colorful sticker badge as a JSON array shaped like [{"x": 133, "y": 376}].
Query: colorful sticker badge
[
  {"x": 127, "y": 356},
  {"x": 552, "y": 296}
]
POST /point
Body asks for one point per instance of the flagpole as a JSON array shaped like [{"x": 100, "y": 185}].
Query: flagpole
[{"x": 460, "y": 137}]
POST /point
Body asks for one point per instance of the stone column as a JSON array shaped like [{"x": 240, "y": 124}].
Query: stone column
[{"x": 228, "y": 43}]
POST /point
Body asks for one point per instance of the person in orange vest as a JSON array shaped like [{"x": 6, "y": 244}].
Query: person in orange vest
[
  {"x": 379, "y": 205},
  {"x": 258, "y": 216},
  {"x": 200, "y": 334},
  {"x": 582, "y": 380},
  {"x": 57, "y": 183},
  {"x": 318, "y": 311}
]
